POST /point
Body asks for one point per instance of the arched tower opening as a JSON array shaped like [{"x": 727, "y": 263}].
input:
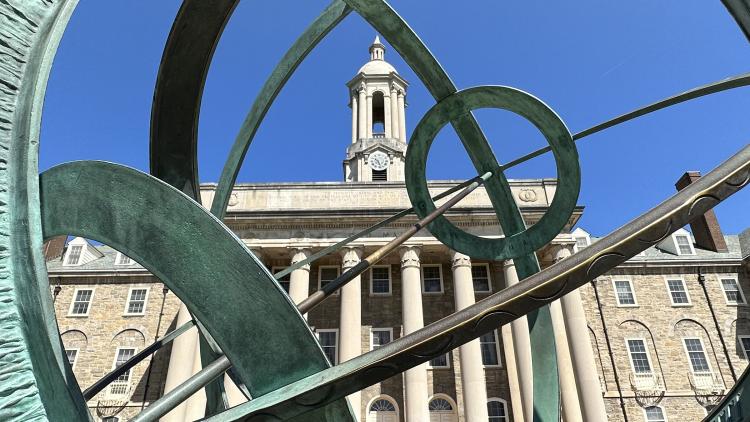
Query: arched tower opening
[{"x": 378, "y": 115}]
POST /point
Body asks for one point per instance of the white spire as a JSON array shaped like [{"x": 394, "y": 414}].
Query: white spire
[{"x": 377, "y": 49}]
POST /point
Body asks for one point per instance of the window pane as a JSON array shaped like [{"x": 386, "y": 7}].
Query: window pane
[
  {"x": 683, "y": 243},
  {"x": 745, "y": 341},
  {"x": 380, "y": 280},
  {"x": 439, "y": 405},
  {"x": 71, "y": 355},
  {"x": 382, "y": 405},
  {"x": 731, "y": 290},
  {"x": 81, "y": 302},
  {"x": 380, "y": 337},
  {"x": 137, "y": 301},
  {"x": 654, "y": 414},
  {"x": 74, "y": 255},
  {"x": 677, "y": 291},
  {"x": 328, "y": 274},
  {"x": 481, "y": 278},
  {"x": 440, "y": 361},
  {"x": 697, "y": 357},
  {"x": 488, "y": 345},
  {"x": 639, "y": 356},
  {"x": 624, "y": 292},
  {"x": 496, "y": 411},
  {"x": 328, "y": 343},
  {"x": 431, "y": 277},
  {"x": 122, "y": 356}
]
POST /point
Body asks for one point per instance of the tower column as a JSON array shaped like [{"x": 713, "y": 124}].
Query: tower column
[
  {"x": 571, "y": 408},
  {"x": 584, "y": 366},
  {"x": 350, "y": 325},
  {"x": 354, "y": 118},
  {"x": 521, "y": 350},
  {"x": 512, "y": 370},
  {"x": 394, "y": 113},
  {"x": 387, "y": 117},
  {"x": 181, "y": 363},
  {"x": 401, "y": 117},
  {"x": 470, "y": 354},
  {"x": 369, "y": 116},
  {"x": 415, "y": 379},
  {"x": 299, "y": 279},
  {"x": 362, "y": 110}
]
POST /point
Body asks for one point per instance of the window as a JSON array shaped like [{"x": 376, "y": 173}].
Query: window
[
  {"x": 71, "y": 354},
  {"x": 654, "y": 414},
  {"x": 121, "y": 384},
  {"x": 380, "y": 175},
  {"x": 624, "y": 293},
  {"x": 442, "y": 361},
  {"x": 684, "y": 246},
  {"x": 81, "y": 302},
  {"x": 490, "y": 349},
  {"x": 745, "y": 344},
  {"x": 110, "y": 419},
  {"x": 581, "y": 242},
  {"x": 639, "y": 358},
  {"x": 432, "y": 280},
  {"x": 678, "y": 292},
  {"x": 136, "y": 301},
  {"x": 696, "y": 355},
  {"x": 74, "y": 255},
  {"x": 382, "y": 410},
  {"x": 122, "y": 259},
  {"x": 497, "y": 410},
  {"x": 283, "y": 281},
  {"x": 732, "y": 291},
  {"x": 380, "y": 337},
  {"x": 380, "y": 280},
  {"x": 327, "y": 274},
  {"x": 329, "y": 342},
  {"x": 382, "y": 405},
  {"x": 480, "y": 274}
]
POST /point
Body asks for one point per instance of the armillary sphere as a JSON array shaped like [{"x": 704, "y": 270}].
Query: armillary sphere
[{"x": 174, "y": 231}]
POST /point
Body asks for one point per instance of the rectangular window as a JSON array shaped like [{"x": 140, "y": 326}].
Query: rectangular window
[
  {"x": 123, "y": 355},
  {"x": 490, "y": 350},
  {"x": 732, "y": 291},
  {"x": 440, "y": 362},
  {"x": 745, "y": 343},
  {"x": 327, "y": 274},
  {"x": 480, "y": 274},
  {"x": 639, "y": 356},
  {"x": 380, "y": 280},
  {"x": 696, "y": 355},
  {"x": 678, "y": 292},
  {"x": 123, "y": 259},
  {"x": 624, "y": 292},
  {"x": 71, "y": 354},
  {"x": 283, "y": 281},
  {"x": 74, "y": 255},
  {"x": 380, "y": 337},
  {"x": 81, "y": 302},
  {"x": 581, "y": 242},
  {"x": 136, "y": 302},
  {"x": 432, "y": 280},
  {"x": 329, "y": 342},
  {"x": 683, "y": 245}
]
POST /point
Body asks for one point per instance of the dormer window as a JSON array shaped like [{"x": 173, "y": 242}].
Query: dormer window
[
  {"x": 123, "y": 259},
  {"x": 581, "y": 242},
  {"x": 684, "y": 246},
  {"x": 582, "y": 239},
  {"x": 74, "y": 255}
]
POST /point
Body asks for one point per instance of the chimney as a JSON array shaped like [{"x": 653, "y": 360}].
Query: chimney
[
  {"x": 706, "y": 229},
  {"x": 53, "y": 248}
]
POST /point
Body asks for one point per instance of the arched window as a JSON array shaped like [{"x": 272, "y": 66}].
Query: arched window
[
  {"x": 497, "y": 410},
  {"x": 382, "y": 410},
  {"x": 378, "y": 114},
  {"x": 654, "y": 414},
  {"x": 442, "y": 410}
]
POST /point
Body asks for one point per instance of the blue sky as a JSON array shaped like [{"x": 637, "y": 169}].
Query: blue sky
[{"x": 589, "y": 60}]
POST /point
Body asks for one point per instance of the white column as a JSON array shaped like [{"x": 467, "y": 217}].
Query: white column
[
  {"x": 521, "y": 349},
  {"x": 401, "y": 117},
  {"x": 196, "y": 404},
  {"x": 354, "y": 118},
  {"x": 369, "y": 117},
  {"x": 394, "y": 113},
  {"x": 510, "y": 367},
  {"x": 299, "y": 279},
  {"x": 181, "y": 363},
  {"x": 362, "y": 110},
  {"x": 387, "y": 117},
  {"x": 571, "y": 410},
  {"x": 584, "y": 366},
  {"x": 350, "y": 326},
  {"x": 415, "y": 379},
  {"x": 470, "y": 354}
]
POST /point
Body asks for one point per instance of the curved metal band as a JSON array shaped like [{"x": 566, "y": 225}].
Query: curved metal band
[{"x": 166, "y": 232}]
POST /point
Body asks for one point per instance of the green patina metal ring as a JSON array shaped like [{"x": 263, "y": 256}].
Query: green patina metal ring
[{"x": 553, "y": 129}]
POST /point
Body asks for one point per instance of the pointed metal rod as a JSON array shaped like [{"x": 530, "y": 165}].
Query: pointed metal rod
[
  {"x": 316, "y": 298},
  {"x": 182, "y": 392},
  {"x": 103, "y": 382},
  {"x": 336, "y": 246}
]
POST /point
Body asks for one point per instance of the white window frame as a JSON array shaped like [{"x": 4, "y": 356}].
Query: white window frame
[
  {"x": 72, "y": 302},
  {"x": 69, "y": 251},
  {"x": 630, "y": 355},
  {"x": 663, "y": 412},
  {"x": 120, "y": 256},
  {"x": 739, "y": 289},
  {"x": 336, "y": 348},
  {"x": 489, "y": 278},
  {"x": 632, "y": 290},
  {"x": 739, "y": 339},
  {"x": 587, "y": 238},
  {"x": 677, "y": 244},
  {"x": 667, "y": 279},
  {"x": 75, "y": 361},
  {"x": 320, "y": 275},
  {"x": 127, "y": 301},
  {"x": 705, "y": 355},
  {"x": 505, "y": 405},
  {"x": 276, "y": 269},
  {"x": 372, "y": 329},
  {"x": 440, "y": 271},
  {"x": 384, "y": 397},
  {"x": 390, "y": 281},
  {"x": 447, "y": 362},
  {"x": 497, "y": 350},
  {"x": 114, "y": 363}
]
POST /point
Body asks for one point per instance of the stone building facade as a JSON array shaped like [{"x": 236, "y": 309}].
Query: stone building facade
[{"x": 660, "y": 337}]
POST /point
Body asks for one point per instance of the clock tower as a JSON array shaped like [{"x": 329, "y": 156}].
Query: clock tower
[{"x": 377, "y": 99}]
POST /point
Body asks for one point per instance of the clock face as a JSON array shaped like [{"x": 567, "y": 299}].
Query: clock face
[{"x": 379, "y": 160}]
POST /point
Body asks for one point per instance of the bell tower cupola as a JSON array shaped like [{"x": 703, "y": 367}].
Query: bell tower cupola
[{"x": 377, "y": 99}]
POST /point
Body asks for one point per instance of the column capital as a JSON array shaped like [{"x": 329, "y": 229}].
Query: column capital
[
  {"x": 409, "y": 256},
  {"x": 508, "y": 263},
  {"x": 300, "y": 253},
  {"x": 459, "y": 260},
  {"x": 562, "y": 251},
  {"x": 350, "y": 256}
]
